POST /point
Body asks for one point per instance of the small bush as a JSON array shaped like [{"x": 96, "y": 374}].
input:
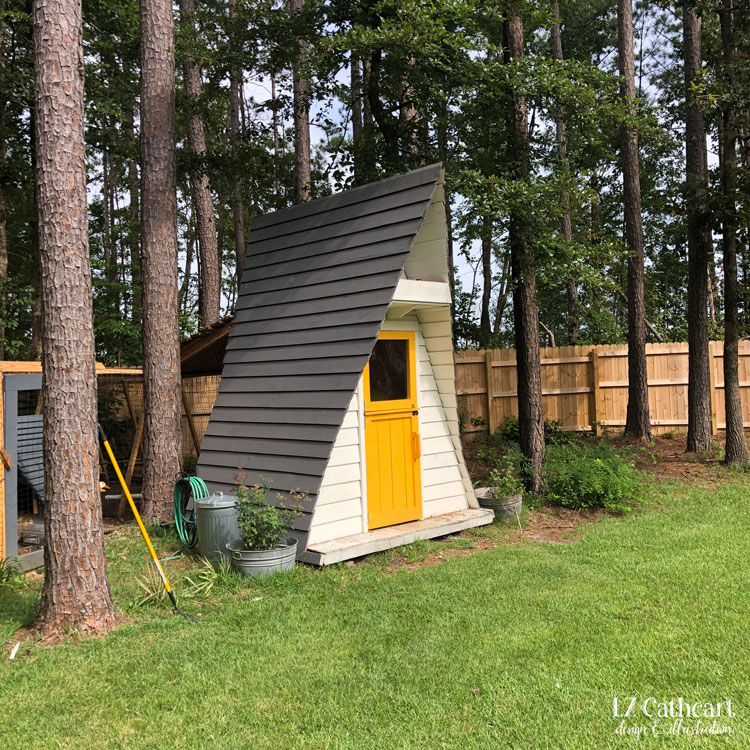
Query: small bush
[
  {"x": 509, "y": 429},
  {"x": 11, "y": 574},
  {"x": 503, "y": 482},
  {"x": 591, "y": 476},
  {"x": 264, "y": 526},
  {"x": 211, "y": 576},
  {"x": 495, "y": 452}
]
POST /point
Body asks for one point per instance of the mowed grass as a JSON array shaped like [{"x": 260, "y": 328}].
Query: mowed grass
[{"x": 524, "y": 645}]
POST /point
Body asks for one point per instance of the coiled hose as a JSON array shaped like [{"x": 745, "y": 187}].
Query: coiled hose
[{"x": 184, "y": 520}]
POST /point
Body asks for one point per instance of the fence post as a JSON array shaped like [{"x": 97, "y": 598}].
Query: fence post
[
  {"x": 712, "y": 384},
  {"x": 597, "y": 414},
  {"x": 491, "y": 422}
]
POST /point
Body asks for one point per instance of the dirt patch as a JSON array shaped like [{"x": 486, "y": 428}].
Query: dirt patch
[
  {"x": 557, "y": 525},
  {"x": 667, "y": 458},
  {"x": 552, "y": 525}
]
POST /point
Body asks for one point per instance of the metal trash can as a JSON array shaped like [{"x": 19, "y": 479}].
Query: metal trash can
[{"x": 217, "y": 522}]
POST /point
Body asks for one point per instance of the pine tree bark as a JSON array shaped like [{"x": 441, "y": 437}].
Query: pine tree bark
[
  {"x": 566, "y": 226},
  {"x": 407, "y": 120},
  {"x": 3, "y": 225},
  {"x": 76, "y": 591},
  {"x": 235, "y": 88},
  {"x": 356, "y": 105},
  {"x": 736, "y": 451},
  {"x": 486, "y": 238},
  {"x": 523, "y": 272},
  {"x": 208, "y": 247},
  {"x": 638, "y": 420},
  {"x": 36, "y": 280},
  {"x": 161, "y": 337},
  {"x": 3, "y": 267},
  {"x": 134, "y": 219},
  {"x": 699, "y": 239},
  {"x": 301, "y": 104}
]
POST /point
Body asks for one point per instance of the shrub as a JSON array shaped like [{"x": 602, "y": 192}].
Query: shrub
[
  {"x": 590, "y": 476},
  {"x": 11, "y": 574},
  {"x": 509, "y": 429},
  {"x": 495, "y": 452},
  {"x": 263, "y": 526},
  {"x": 503, "y": 482}
]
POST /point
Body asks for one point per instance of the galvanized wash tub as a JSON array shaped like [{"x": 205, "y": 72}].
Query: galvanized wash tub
[
  {"x": 508, "y": 507},
  {"x": 261, "y": 562}
]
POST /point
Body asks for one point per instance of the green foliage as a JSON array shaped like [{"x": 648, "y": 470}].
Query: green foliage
[
  {"x": 151, "y": 589},
  {"x": 504, "y": 482},
  {"x": 11, "y": 574},
  {"x": 590, "y": 475},
  {"x": 264, "y": 526},
  {"x": 509, "y": 429},
  {"x": 210, "y": 577}
]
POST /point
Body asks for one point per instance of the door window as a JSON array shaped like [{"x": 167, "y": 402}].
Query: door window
[{"x": 389, "y": 370}]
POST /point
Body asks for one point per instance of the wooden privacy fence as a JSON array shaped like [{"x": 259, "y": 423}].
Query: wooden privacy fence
[{"x": 586, "y": 387}]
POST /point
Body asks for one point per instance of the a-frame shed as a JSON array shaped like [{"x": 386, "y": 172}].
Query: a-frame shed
[{"x": 338, "y": 377}]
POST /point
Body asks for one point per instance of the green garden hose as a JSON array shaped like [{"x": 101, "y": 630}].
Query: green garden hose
[{"x": 184, "y": 520}]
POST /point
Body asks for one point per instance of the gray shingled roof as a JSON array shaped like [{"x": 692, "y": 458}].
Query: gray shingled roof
[{"x": 316, "y": 286}]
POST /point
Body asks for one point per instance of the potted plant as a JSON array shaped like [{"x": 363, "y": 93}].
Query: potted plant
[
  {"x": 265, "y": 545},
  {"x": 503, "y": 493}
]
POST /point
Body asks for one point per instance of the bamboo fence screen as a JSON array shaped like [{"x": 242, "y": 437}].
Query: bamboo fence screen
[{"x": 586, "y": 387}]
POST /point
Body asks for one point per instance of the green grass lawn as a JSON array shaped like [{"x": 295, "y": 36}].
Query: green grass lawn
[{"x": 524, "y": 645}]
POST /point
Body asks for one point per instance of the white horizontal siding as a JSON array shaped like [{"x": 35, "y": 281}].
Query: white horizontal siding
[
  {"x": 338, "y": 510},
  {"x": 335, "y": 493},
  {"x": 324, "y": 532},
  {"x": 343, "y": 510}
]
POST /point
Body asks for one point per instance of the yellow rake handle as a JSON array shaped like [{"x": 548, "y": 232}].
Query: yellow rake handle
[{"x": 146, "y": 538}]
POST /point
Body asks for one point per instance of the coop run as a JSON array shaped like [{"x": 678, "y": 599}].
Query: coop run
[{"x": 22, "y": 480}]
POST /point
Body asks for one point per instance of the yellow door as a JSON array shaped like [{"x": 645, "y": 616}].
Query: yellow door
[{"x": 392, "y": 446}]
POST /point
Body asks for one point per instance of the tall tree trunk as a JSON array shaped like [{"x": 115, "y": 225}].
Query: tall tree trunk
[
  {"x": 502, "y": 294},
  {"x": 301, "y": 95},
  {"x": 484, "y": 317},
  {"x": 161, "y": 335},
  {"x": 238, "y": 206},
  {"x": 638, "y": 420},
  {"x": 208, "y": 247},
  {"x": 523, "y": 271},
  {"x": 736, "y": 444},
  {"x": 3, "y": 268},
  {"x": 134, "y": 219},
  {"x": 76, "y": 592},
  {"x": 183, "y": 294},
  {"x": 368, "y": 123},
  {"x": 3, "y": 228},
  {"x": 36, "y": 281},
  {"x": 275, "y": 126},
  {"x": 441, "y": 133},
  {"x": 566, "y": 226},
  {"x": 407, "y": 120},
  {"x": 699, "y": 239},
  {"x": 356, "y": 104}
]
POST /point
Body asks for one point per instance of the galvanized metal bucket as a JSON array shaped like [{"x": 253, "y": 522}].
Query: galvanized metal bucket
[
  {"x": 508, "y": 507},
  {"x": 262, "y": 562}
]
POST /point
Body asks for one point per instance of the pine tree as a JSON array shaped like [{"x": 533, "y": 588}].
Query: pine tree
[
  {"x": 161, "y": 336},
  {"x": 638, "y": 421},
  {"x": 76, "y": 592}
]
